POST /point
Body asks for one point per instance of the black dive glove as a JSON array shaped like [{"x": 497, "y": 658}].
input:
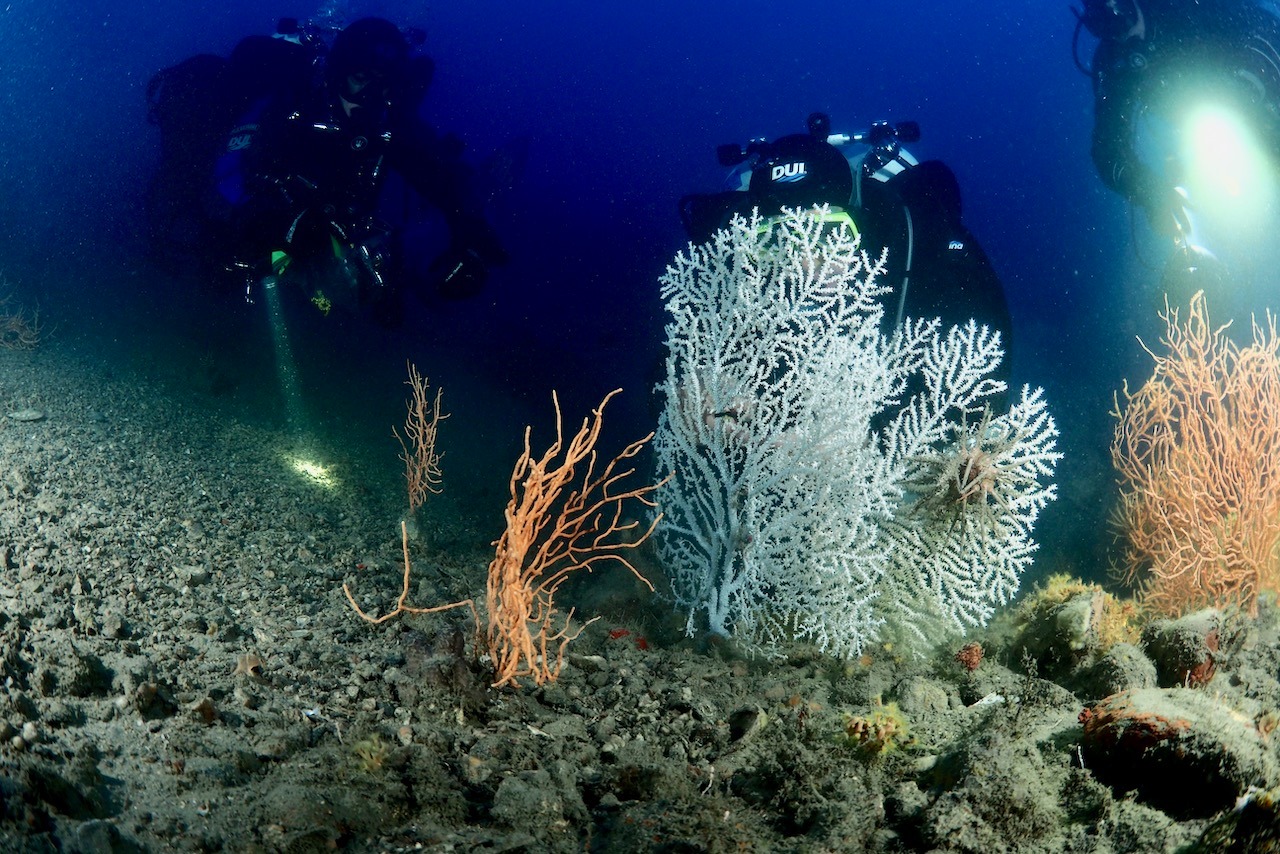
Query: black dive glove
[{"x": 478, "y": 236}]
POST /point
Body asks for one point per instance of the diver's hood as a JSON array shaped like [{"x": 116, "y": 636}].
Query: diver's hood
[{"x": 370, "y": 46}]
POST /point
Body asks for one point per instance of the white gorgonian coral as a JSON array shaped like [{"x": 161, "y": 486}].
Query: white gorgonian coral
[{"x": 814, "y": 455}]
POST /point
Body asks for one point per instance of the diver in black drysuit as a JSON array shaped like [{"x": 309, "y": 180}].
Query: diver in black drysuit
[
  {"x": 935, "y": 266},
  {"x": 294, "y": 186}
]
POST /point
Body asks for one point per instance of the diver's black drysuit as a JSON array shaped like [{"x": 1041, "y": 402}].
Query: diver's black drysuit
[
  {"x": 308, "y": 172},
  {"x": 296, "y": 173}
]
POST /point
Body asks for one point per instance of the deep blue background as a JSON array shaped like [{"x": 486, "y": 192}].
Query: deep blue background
[{"x": 624, "y": 105}]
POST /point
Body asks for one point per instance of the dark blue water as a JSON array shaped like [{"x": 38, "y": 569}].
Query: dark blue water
[{"x": 623, "y": 105}]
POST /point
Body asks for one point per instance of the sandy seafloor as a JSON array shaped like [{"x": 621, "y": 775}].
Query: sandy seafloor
[{"x": 179, "y": 671}]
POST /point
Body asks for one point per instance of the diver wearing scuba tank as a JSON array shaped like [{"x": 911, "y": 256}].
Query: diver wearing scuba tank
[
  {"x": 935, "y": 267},
  {"x": 297, "y": 183}
]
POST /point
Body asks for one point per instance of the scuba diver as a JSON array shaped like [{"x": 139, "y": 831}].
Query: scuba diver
[
  {"x": 291, "y": 188},
  {"x": 1155, "y": 59},
  {"x": 935, "y": 267}
]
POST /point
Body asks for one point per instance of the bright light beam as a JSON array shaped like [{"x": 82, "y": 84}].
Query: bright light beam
[
  {"x": 313, "y": 471},
  {"x": 1227, "y": 175},
  {"x": 287, "y": 375},
  {"x": 286, "y": 364}
]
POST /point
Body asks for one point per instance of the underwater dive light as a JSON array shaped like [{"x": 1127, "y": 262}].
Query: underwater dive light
[{"x": 1228, "y": 177}]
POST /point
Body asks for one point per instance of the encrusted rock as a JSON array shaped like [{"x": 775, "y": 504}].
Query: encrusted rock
[
  {"x": 1184, "y": 752},
  {"x": 1067, "y": 626},
  {"x": 1121, "y": 668},
  {"x": 1185, "y": 650},
  {"x": 922, "y": 695}
]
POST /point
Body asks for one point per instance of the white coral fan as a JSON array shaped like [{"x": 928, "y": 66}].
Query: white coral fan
[
  {"x": 963, "y": 539},
  {"x": 812, "y": 452}
]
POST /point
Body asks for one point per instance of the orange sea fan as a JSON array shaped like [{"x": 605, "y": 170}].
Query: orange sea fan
[{"x": 1197, "y": 449}]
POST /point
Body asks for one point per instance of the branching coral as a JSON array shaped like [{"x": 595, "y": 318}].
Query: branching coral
[
  {"x": 1198, "y": 453},
  {"x": 418, "y": 446},
  {"x": 554, "y": 530},
  {"x": 20, "y": 329},
  {"x": 834, "y": 483},
  {"x": 566, "y": 514}
]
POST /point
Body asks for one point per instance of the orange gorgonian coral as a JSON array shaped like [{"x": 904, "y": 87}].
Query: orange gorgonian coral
[
  {"x": 418, "y": 445},
  {"x": 566, "y": 514},
  {"x": 1197, "y": 449}
]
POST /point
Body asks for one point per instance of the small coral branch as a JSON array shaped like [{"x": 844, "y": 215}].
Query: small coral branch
[
  {"x": 418, "y": 445},
  {"x": 19, "y": 329},
  {"x": 553, "y": 531},
  {"x": 423, "y": 477},
  {"x": 401, "y": 602},
  {"x": 1198, "y": 453}
]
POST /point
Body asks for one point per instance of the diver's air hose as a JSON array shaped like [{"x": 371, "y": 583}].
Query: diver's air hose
[{"x": 906, "y": 273}]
